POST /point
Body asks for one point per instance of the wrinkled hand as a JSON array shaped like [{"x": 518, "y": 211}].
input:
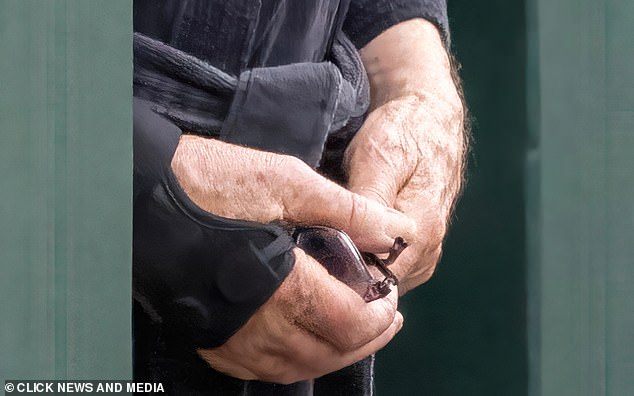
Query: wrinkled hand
[
  {"x": 409, "y": 153},
  {"x": 242, "y": 183},
  {"x": 388, "y": 162},
  {"x": 311, "y": 326}
]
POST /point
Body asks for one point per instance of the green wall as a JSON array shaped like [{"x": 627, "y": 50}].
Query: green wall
[
  {"x": 581, "y": 166},
  {"x": 534, "y": 294},
  {"x": 65, "y": 200}
]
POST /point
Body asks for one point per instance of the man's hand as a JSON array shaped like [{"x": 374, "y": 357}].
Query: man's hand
[
  {"x": 409, "y": 154},
  {"x": 242, "y": 183},
  {"x": 311, "y": 326}
]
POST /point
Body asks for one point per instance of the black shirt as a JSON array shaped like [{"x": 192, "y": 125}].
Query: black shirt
[{"x": 198, "y": 277}]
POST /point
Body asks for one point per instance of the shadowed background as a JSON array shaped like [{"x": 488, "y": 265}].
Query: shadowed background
[
  {"x": 465, "y": 330},
  {"x": 535, "y": 293}
]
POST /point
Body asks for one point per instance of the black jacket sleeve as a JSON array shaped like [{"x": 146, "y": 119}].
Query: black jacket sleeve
[
  {"x": 367, "y": 19},
  {"x": 198, "y": 276}
]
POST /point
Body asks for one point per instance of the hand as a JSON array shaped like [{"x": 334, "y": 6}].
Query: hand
[
  {"x": 311, "y": 326},
  {"x": 242, "y": 183},
  {"x": 409, "y": 153}
]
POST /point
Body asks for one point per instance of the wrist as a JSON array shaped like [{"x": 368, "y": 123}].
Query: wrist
[
  {"x": 409, "y": 59},
  {"x": 191, "y": 168}
]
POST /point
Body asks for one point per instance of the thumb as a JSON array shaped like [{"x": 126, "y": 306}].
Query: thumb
[
  {"x": 317, "y": 200},
  {"x": 372, "y": 179}
]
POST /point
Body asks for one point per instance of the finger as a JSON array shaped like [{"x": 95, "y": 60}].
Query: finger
[
  {"x": 336, "y": 313},
  {"x": 377, "y": 344},
  {"x": 241, "y": 183},
  {"x": 322, "y": 358},
  {"x": 311, "y": 318},
  {"x": 312, "y": 358},
  {"x": 309, "y": 357},
  {"x": 313, "y": 199},
  {"x": 356, "y": 324},
  {"x": 416, "y": 265}
]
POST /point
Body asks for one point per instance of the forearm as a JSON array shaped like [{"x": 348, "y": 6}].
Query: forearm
[{"x": 410, "y": 70}]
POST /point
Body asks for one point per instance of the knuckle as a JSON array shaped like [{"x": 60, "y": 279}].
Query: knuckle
[
  {"x": 273, "y": 161},
  {"x": 432, "y": 264},
  {"x": 431, "y": 257},
  {"x": 358, "y": 210},
  {"x": 423, "y": 270},
  {"x": 283, "y": 168},
  {"x": 273, "y": 166},
  {"x": 417, "y": 280},
  {"x": 436, "y": 241},
  {"x": 436, "y": 235},
  {"x": 284, "y": 174},
  {"x": 292, "y": 166},
  {"x": 429, "y": 272},
  {"x": 378, "y": 192}
]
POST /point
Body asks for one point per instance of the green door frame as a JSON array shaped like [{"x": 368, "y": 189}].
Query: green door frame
[
  {"x": 66, "y": 200},
  {"x": 581, "y": 197}
]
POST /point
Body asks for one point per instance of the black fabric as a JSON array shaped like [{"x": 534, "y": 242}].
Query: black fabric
[
  {"x": 240, "y": 34},
  {"x": 369, "y": 18},
  {"x": 197, "y": 274},
  {"x": 356, "y": 379},
  {"x": 193, "y": 94},
  {"x": 289, "y": 109},
  {"x": 185, "y": 296},
  {"x": 292, "y": 109},
  {"x": 197, "y": 277}
]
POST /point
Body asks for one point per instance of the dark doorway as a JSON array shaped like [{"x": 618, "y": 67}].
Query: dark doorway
[{"x": 465, "y": 331}]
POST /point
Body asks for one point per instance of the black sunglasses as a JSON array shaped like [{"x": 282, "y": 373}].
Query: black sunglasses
[{"x": 337, "y": 253}]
